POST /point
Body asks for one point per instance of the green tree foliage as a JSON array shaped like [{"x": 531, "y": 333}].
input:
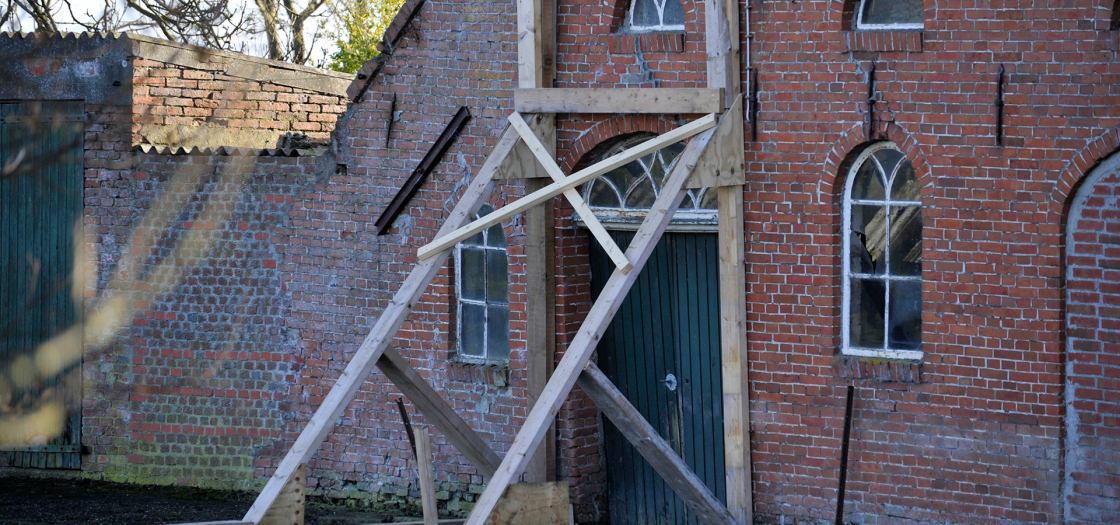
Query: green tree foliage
[{"x": 359, "y": 24}]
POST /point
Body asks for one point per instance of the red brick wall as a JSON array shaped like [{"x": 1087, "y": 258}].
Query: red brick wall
[{"x": 1093, "y": 344}]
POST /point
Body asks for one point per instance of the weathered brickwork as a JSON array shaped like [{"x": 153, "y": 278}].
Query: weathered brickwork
[
  {"x": 194, "y": 380},
  {"x": 1092, "y": 474}
]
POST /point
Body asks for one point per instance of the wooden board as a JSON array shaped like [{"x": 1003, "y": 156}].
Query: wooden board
[
  {"x": 529, "y": 66},
  {"x": 427, "y": 476},
  {"x": 521, "y": 163},
  {"x": 382, "y": 333},
  {"x": 437, "y": 412},
  {"x": 540, "y": 321},
  {"x": 289, "y": 506},
  {"x": 722, "y": 163},
  {"x": 533, "y": 504},
  {"x": 733, "y": 330},
  {"x": 721, "y": 42},
  {"x": 446, "y": 241},
  {"x": 583, "y": 345},
  {"x": 618, "y": 100},
  {"x": 660, "y": 455}
]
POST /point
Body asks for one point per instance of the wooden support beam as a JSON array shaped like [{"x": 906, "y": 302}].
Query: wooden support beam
[
  {"x": 445, "y": 242},
  {"x": 660, "y": 455},
  {"x": 521, "y": 163},
  {"x": 722, "y": 163},
  {"x": 289, "y": 506},
  {"x": 427, "y": 164},
  {"x": 529, "y": 56},
  {"x": 618, "y": 100},
  {"x": 733, "y": 351},
  {"x": 540, "y": 321},
  {"x": 582, "y": 346},
  {"x": 348, "y": 384},
  {"x": 721, "y": 38},
  {"x": 572, "y": 194},
  {"x": 438, "y": 413},
  {"x": 427, "y": 476},
  {"x": 533, "y": 504}
]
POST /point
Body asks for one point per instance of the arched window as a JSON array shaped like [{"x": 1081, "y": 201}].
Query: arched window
[
  {"x": 656, "y": 15},
  {"x": 882, "y": 267},
  {"x": 889, "y": 14},
  {"x": 625, "y": 194},
  {"x": 482, "y": 289}
]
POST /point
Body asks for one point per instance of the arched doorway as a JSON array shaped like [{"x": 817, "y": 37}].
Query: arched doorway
[
  {"x": 662, "y": 350},
  {"x": 1091, "y": 488}
]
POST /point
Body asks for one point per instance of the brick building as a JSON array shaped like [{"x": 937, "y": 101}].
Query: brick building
[{"x": 931, "y": 214}]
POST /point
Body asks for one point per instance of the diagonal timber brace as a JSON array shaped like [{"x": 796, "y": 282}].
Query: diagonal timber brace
[
  {"x": 431, "y": 257},
  {"x": 445, "y": 242},
  {"x": 656, "y": 450},
  {"x": 572, "y": 195},
  {"x": 586, "y": 339},
  {"x": 382, "y": 333}
]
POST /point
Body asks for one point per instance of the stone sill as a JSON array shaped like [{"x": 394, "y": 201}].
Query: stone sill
[
  {"x": 658, "y": 42},
  {"x": 885, "y": 41},
  {"x": 493, "y": 374},
  {"x": 877, "y": 369}
]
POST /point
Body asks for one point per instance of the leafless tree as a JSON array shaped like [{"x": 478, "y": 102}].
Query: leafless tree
[
  {"x": 209, "y": 23},
  {"x": 294, "y": 22}
]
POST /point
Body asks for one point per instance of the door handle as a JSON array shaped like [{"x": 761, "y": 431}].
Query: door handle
[{"x": 670, "y": 382}]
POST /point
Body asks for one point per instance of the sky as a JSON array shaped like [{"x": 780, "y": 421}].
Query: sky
[{"x": 254, "y": 44}]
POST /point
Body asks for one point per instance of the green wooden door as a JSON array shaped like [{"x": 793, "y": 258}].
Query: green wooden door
[
  {"x": 40, "y": 214},
  {"x": 662, "y": 350}
]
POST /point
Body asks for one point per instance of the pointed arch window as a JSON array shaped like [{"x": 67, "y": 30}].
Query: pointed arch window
[
  {"x": 882, "y": 267},
  {"x": 656, "y": 15},
  {"x": 482, "y": 290},
  {"x": 625, "y": 194}
]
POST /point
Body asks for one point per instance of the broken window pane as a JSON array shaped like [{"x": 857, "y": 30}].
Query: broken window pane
[
  {"x": 906, "y": 240},
  {"x": 868, "y": 238}
]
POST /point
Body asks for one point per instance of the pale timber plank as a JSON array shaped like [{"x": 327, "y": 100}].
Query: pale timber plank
[
  {"x": 733, "y": 351},
  {"x": 446, "y": 241},
  {"x": 618, "y": 100},
  {"x": 572, "y": 195},
  {"x": 438, "y": 413},
  {"x": 590, "y": 332},
  {"x": 653, "y": 447},
  {"x": 529, "y": 70},
  {"x": 722, "y": 163},
  {"x": 427, "y": 476},
  {"x": 722, "y": 46},
  {"x": 289, "y": 506},
  {"x": 540, "y": 321},
  {"x": 348, "y": 384},
  {"x": 533, "y": 504}
]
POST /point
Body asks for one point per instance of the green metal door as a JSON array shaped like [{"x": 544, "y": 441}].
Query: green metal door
[
  {"x": 662, "y": 350},
  {"x": 40, "y": 300}
]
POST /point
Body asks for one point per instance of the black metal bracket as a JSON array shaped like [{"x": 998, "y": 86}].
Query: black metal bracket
[
  {"x": 392, "y": 118},
  {"x": 407, "y": 426},
  {"x": 754, "y": 104},
  {"x": 999, "y": 107},
  {"x": 872, "y": 124},
  {"x": 431, "y": 158},
  {"x": 844, "y": 457}
]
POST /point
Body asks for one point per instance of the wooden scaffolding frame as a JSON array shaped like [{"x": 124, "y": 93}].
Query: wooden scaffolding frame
[{"x": 712, "y": 158}]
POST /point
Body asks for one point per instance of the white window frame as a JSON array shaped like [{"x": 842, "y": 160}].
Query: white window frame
[
  {"x": 846, "y": 270},
  {"x": 660, "y": 17},
  {"x": 460, "y": 300},
  {"x": 881, "y": 27}
]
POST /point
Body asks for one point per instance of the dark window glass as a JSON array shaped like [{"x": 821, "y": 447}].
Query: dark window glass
[
  {"x": 657, "y": 14},
  {"x": 482, "y": 284},
  {"x": 868, "y": 302},
  {"x": 890, "y": 12},
  {"x": 906, "y": 316}
]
